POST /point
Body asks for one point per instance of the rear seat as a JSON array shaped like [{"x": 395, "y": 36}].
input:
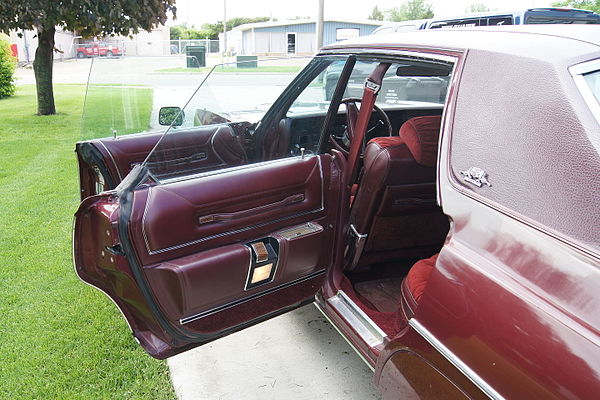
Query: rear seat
[{"x": 414, "y": 284}]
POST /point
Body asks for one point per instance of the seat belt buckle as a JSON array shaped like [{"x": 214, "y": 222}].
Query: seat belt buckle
[{"x": 375, "y": 87}]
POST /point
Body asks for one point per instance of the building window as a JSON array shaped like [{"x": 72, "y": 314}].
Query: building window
[{"x": 291, "y": 43}]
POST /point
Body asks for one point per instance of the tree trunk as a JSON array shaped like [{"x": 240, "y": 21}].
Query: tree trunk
[{"x": 42, "y": 68}]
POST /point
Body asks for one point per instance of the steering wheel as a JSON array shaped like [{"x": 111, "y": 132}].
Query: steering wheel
[{"x": 342, "y": 142}]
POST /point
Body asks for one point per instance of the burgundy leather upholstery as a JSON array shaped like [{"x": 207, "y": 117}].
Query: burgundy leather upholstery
[
  {"x": 421, "y": 135},
  {"x": 276, "y": 141},
  {"x": 396, "y": 200},
  {"x": 198, "y": 150},
  {"x": 414, "y": 285}
]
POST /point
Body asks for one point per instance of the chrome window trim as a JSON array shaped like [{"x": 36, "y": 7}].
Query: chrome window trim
[
  {"x": 577, "y": 71},
  {"x": 166, "y": 181},
  {"x": 454, "y": 360},
  {"x": 384, "y": 50}
]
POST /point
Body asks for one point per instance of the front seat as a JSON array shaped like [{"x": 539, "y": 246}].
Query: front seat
[{"x": 394, "y": 212}]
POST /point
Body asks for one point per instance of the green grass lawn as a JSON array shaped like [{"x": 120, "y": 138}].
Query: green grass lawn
[
  {"x": 124, "y": 109},
  {"x": 233, "y": 69},
  {"x": 59, "y": 338}
]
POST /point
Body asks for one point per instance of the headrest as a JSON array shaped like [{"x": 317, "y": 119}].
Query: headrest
[{"x": 420, "y": 134}]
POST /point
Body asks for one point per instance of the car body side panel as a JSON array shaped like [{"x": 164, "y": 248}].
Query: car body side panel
[
  {"x": 514, "y": 302},
  {"x": 414, "y": 369}
]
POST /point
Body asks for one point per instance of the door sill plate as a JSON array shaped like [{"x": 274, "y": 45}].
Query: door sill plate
[{"x": 368, "y": 331}]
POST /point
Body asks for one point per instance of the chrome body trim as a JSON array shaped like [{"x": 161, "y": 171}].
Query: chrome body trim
[
  {"x": 454, "y": 360},
  {"x": 364, "y": 326},
  {"x": 384, "y": 50},
  {"x": 577, "y": 72}
]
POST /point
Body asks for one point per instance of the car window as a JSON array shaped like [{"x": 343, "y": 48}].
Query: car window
[
  {"x": 400, "y": 86},
  {"x": 592, "y": 79},
  {"x": 317, "y": 95},
  {"x": 226, "y": 118}
]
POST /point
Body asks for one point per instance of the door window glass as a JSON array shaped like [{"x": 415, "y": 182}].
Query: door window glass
[{"x": 233, "y": 118}]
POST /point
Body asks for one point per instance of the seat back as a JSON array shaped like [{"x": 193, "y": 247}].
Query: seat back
[{"x": 395, "y": 205}]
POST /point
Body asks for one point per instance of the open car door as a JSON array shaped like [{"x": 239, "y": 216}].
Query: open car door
[{"x": 190, "y": 255}]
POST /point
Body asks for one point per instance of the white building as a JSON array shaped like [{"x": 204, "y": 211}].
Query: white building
[{"x": 292, "y": 37}]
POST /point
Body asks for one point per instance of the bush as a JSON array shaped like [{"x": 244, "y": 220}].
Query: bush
[{"x": 7, "y": 70}]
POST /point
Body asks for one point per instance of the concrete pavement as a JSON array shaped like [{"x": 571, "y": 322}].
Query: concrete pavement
[{"x": 298, "y": 355}]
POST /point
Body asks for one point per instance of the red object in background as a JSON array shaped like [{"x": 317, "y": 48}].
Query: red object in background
[
  {"x": 15, "y": 50},
  {"x": 94, "y": 49}
]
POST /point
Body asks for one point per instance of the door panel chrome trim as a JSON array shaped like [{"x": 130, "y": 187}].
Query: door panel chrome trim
[{"x": 454, "y": 360}]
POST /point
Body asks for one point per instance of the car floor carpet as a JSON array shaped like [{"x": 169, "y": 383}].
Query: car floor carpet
[{"x": 384, "y": 294}]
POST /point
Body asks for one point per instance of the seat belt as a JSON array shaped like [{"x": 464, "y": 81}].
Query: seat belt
[{"x": 372, "y": 86}]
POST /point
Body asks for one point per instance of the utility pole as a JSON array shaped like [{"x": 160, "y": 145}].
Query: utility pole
[
  {"x": 320, "y": 24},
  {"x": 225, "y": 27}
]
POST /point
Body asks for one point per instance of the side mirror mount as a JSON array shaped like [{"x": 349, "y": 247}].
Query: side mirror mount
[{"x": 168, "y": 116}]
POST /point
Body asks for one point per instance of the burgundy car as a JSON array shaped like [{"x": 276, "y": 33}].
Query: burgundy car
[{"x": 445, "y": 220}]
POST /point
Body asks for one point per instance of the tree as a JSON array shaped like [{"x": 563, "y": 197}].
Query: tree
[
  {"x": 213, "y": 30},
  {"x": 591, "y": 5},
  {"x": 184, "y": 32},
  {"x": 376, "y": 14},
  {"x": 88, "y": 18},
  {"x": 477, "y": 7},
  {"x": 412, "y": 9},
  {"x": 7, "y": 69}
]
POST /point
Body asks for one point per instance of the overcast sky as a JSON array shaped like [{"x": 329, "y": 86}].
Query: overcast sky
[{"x": 197, "y": 12}]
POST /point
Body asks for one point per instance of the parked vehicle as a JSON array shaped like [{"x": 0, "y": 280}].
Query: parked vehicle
[
  {"x": 492, "y": 18},
  {"x": 448, "y": 227},
  {"x": 98, "y": 49},
  {"x": 402, "y": 26}
]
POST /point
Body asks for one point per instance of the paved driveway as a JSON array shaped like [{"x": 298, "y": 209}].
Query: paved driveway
[{"x": 298, "y": 355}]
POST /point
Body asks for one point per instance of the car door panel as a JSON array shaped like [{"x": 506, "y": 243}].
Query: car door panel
[
  {"x": 199, "y": 149},
  {"x": 189, "y": 282},
  {"x": 230, "y": 206}
]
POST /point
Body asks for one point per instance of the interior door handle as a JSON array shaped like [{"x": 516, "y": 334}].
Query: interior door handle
[{"x": 206, "y": 219}]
